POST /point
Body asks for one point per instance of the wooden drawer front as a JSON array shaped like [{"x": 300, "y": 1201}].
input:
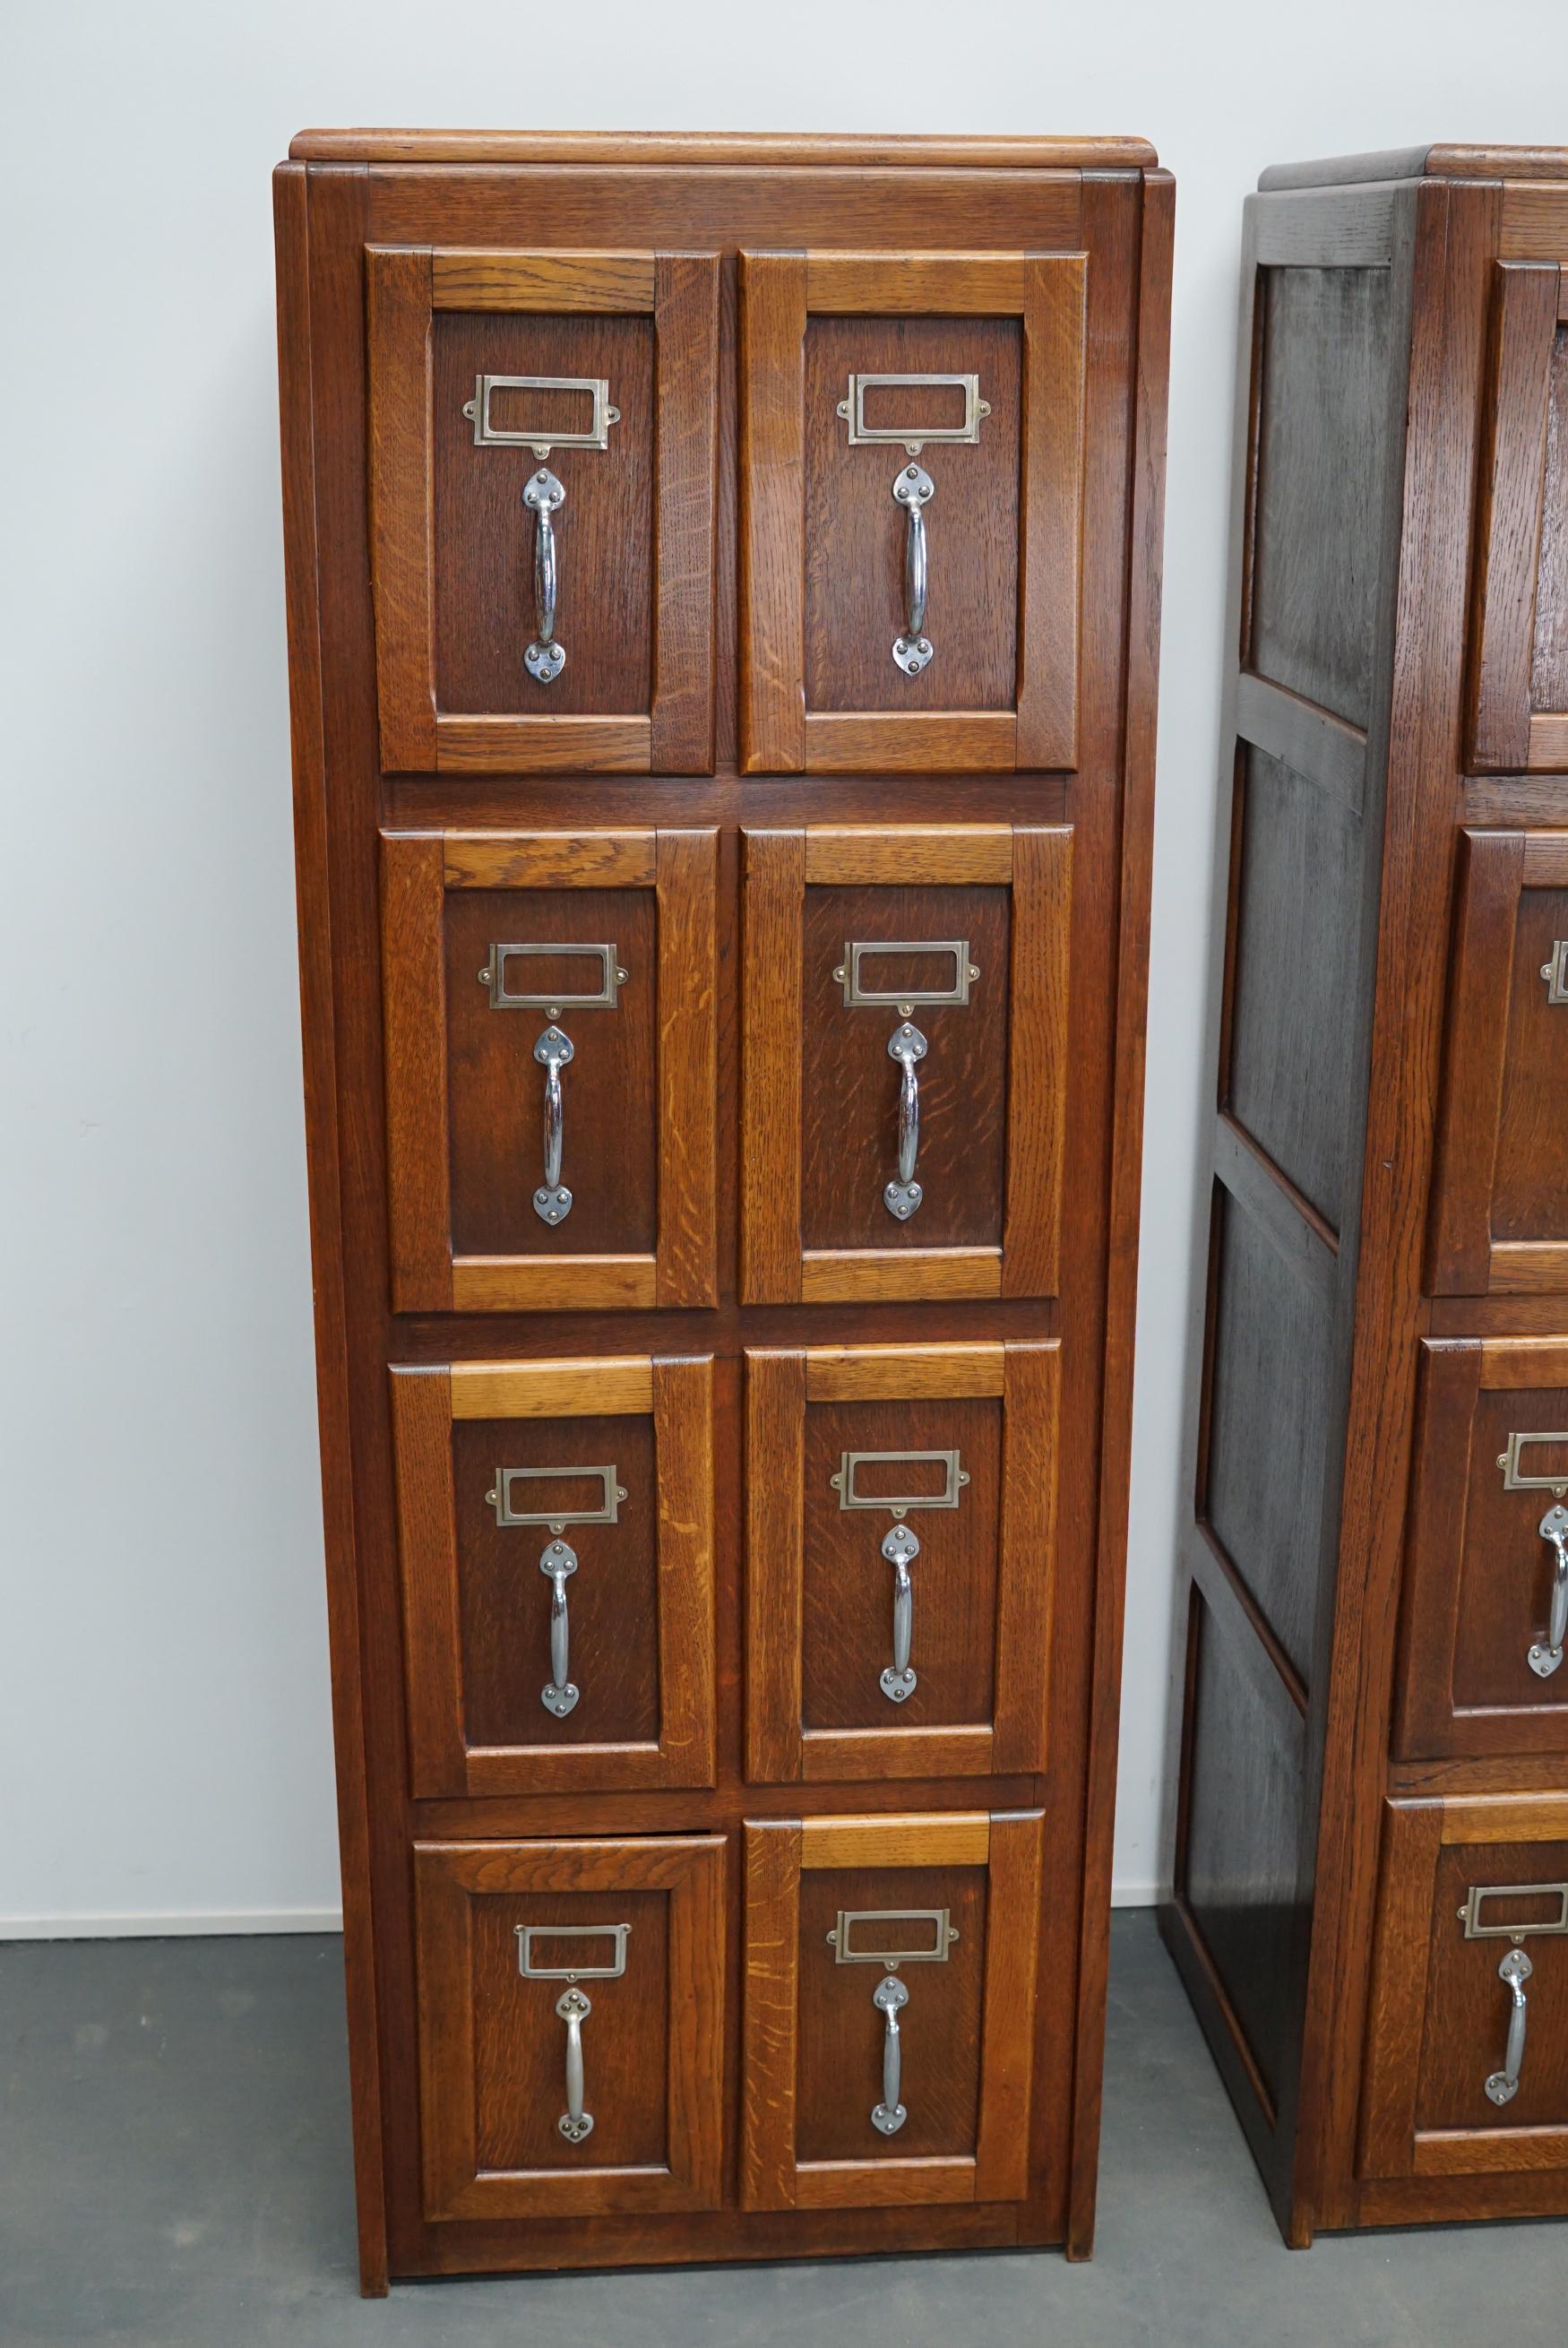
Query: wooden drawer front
[
  {"x": 816, "y": 2039},
  {"x": 993, "y": 681},
  {"x": 1441, "y": 2009},
  {"x": 493, "y": 2041},
  {"x": 829, "y": 1429},
  {"x": 486, "y": 1715},
  {"x": 821, "y": 1089},
  {"x": 1518, "y": 709},
  {"x": 1481, "y": 1573},
  {"x": 1500, "y": 1216},
  {"x": 454, "y": 542},
  {"x": 466, "y": 1083}
]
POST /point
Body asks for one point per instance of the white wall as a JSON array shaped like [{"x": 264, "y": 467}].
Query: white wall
[{"x": 164, "y": 1738}]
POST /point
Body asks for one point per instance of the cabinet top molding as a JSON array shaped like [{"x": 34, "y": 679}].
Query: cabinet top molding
[
  {"x": 1421, "y": 163},
  {"x": 758, "y": 148}
]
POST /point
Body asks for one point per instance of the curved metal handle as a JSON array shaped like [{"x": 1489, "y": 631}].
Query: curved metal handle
[
  {"x": 1514, "y": 1972},
  {"x": 554, "y": 1051},
  {"x": 914, "y": 489},
  {"x": 1546, "y": 1655},
  {"x": 544, "y": 658},
  {"x": 901, "y": 1547},
  {"x": 574, "y": 2008},
  {"x": 909, "y": 1047},
  {"x": 557, "y": 1696},
  {"x": 889, "y": 2115}
]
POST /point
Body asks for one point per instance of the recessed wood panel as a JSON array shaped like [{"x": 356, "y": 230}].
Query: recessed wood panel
[
  {"x": 1270, "y": 1401},
  {"x": 856, "y": 530},
  {"x": 1320, "y": 458},
  {"x": 483, "y": 536},
  {"x": 849, "y": 1103},
  {"x": 1530, "y": 1173},
  {"x": 1296, "y": 929},
  {"x": 1241, "y": 1863}
]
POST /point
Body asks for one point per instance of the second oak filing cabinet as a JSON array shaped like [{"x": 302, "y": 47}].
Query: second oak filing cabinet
[{"x": 723, "y": 595}]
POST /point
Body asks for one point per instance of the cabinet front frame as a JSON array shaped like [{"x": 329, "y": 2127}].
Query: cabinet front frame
[
  {"x": 447, "y": 1877},
  {"x": 407, "y": 285},
  {"x": 1504, "y": 733},
  {"x": 1392, "y": 2145},
  {"x": 1036, "y": 862},
  {"x": 1497, "y": 868},
  {"x": 1428, "y": 1724},
  {"x": 779, "y": 291},
  {"x": 426, "y": 1403},
  {"x": 780, "y": 1388},
  {"x": 1012, "y": 1849},
  {"x": 417, "y": 870}
]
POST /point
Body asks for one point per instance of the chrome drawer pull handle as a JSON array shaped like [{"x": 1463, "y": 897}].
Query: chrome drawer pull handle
[
  {"x": 1514, "y": 1972},
  {"x": 888, "y": 1997},
  {"x": 1546, "y": 1656},
  {"x": 914, "y": 488},
  {"x": 554, "y": 1051},
  {"x": 909, "y": 1047},
  {"x": 574, "y": 2006},
  {"x": 559, "y": 1695},
  {"x": 544, "y": 658},
  {"x": 900, "y": 1548}
]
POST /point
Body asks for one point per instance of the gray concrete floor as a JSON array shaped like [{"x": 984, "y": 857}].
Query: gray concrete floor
[{"x": 176, "y": 2171}]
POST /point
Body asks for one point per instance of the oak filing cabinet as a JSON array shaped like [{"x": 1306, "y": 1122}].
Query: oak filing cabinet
[
  {"x": 1371, "y": 1876},
  {"x": 724, "y": 581}
]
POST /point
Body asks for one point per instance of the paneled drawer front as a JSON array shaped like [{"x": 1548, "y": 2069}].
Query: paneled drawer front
[
  {"x": 888, "y": 2028},
  {"x": 543, "y": 463},
  {"x": 905, "y": 1073},
  {"x": 571, "y": 2025},
  {"x": 550, "y": 1019},
  {"x": 1466, "y": 2056},
  {"x": 1500, "y": 1214},
  {"x": 1518, "y": 713},
  {"x": 911, "y": 487},
  {"x": 1486, "y": 1573},
  {"x": 901, "y": 1518},
  {"x": 555, "y": 1532}
]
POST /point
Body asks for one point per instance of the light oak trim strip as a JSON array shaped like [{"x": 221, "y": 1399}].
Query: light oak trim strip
[
  {"x": 918, "y": 284},
  {"x": 771, "y": 1956},
  {"x": 1026, "y": 1563},
  {"x": 1039, "y": 1031},
  {"x": 1521, "y": 334},
  {"x": 895, "y": 1275},
  {"x": 1546, "y": 852},
  {"x": 772, "y": 512},
  {"x": 1548, "y": 742},
  {"x": 413, "y": 1022},
  {"x": 1050, "y": 519},
  {"x": 1484, "y": 2152},
  {"x": 685, "y": 511},
  {"x": 903, "y": 1373},
  {"x": 543, "y": 746},
  {"x": 428, "y": 1566},
  {"x": 558, "y": 1284},
  {"x": 550, "y": 859},
  {"x": 1007, "y": 2030},
  {"x": 687, "y": 1069},
  {"x": 1527, "y": 1267},
  {"x": 683, "y": 1397},
  {"x": 862, "y": 856},
  {"x": 402, "y": 505},
  {"x": 461, "y": 279},
  {"x": 583, "y": 1388},
  {"x": 770, "y": 1069},
  {"x": 912, "y": 742},
  {"x": 1507, "y": 1363},
  {"x": 1505, "y": 1817},
  {"x": 953, "y": 1838},
  {"x": 884, "y": 2184},
  {"x": 775, "y": 1563},
  {"x": 835, "y": 1756}
]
